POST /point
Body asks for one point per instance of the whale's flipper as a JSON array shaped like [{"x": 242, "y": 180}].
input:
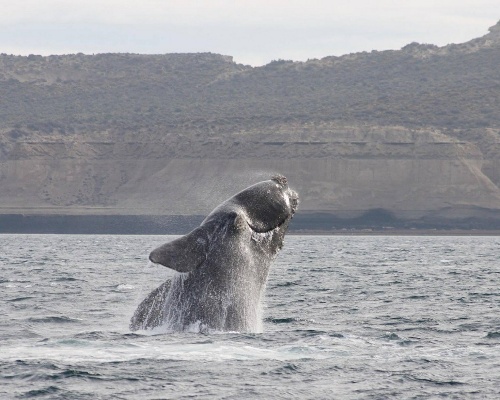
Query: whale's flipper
[
  {"x": 150, "y": 312},
  {"x": 184, "y": 254}
]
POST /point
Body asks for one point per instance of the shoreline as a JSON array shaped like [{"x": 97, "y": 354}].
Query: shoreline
[
  {"x": 398, "y": 232},
  {"x": 303, "y": 224},
  {"x": 415, "y": 233}
]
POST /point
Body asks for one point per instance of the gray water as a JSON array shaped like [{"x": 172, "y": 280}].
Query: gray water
[{"x": 352, "y": 317}]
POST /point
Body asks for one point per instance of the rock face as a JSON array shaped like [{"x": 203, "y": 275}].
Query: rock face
[
  {"x": 414, "y": 132},
  {"x": 419, "y": 173}
]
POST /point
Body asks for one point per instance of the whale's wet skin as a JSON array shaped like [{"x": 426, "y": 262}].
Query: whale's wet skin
[{"x": 222, "y": 265}]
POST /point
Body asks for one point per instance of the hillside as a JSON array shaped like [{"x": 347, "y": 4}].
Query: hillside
[{"x": 413, "y": 132}]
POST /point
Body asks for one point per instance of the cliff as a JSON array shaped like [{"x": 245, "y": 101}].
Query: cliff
[{"x": 414, "y": 132}]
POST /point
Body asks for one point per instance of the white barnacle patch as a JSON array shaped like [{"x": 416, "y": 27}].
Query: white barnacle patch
[
  {"x": 287, "y": 200},
  {"x": 262, "y": 237}
]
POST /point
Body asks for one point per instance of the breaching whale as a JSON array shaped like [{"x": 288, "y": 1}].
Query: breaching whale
[{"x": 223, "y": 264}]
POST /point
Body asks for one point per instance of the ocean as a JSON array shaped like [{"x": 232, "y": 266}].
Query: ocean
[{"x": 345, "y": 317}]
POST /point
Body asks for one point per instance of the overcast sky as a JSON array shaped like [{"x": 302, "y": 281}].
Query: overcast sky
[{"x": 253, "y": 32}]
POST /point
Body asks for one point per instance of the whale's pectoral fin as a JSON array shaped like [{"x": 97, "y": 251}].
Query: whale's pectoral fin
[
  {"x": 184, "y": 254},
  {"x": 149, "y": 314}
]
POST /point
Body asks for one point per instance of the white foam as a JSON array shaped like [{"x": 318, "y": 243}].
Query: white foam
[{"x": 72, "y": 351}]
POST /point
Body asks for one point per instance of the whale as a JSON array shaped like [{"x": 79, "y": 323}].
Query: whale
[{"x": 222, "y": 266}]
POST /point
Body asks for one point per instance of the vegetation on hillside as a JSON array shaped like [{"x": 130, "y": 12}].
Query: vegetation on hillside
[{"x": 456, "y": 86}]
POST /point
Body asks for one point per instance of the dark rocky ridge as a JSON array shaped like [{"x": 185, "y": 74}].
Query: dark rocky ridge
[{"x": 414, "y": 132}]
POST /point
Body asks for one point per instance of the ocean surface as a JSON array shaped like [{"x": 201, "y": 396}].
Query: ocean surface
[{"x": 346, "y": 317}]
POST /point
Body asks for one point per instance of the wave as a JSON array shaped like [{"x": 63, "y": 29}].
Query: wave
[
  {"x": 16, "y": 299},
  {"x": 54, "y": 319}
]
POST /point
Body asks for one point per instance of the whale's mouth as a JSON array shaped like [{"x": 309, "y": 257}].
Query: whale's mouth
[{"x": 256, "y": 230}]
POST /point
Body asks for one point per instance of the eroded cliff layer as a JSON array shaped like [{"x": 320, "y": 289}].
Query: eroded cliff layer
[{"x": 408, "y": 172}]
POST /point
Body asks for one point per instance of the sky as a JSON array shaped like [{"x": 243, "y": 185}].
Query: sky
[{"x": 253, "y": 32}]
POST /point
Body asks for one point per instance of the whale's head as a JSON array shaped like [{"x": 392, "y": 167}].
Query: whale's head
[{"x": 266, "y": 207}]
